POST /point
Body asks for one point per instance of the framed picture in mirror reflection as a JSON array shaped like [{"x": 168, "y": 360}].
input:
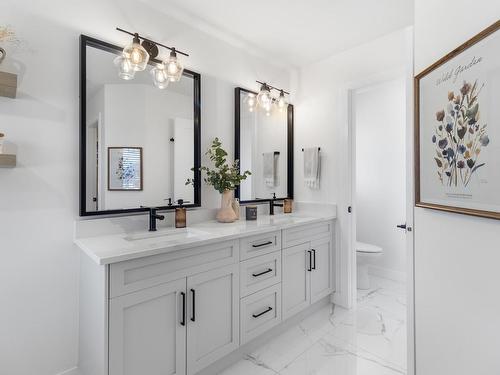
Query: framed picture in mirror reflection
[{"x": 124, "y": 168}]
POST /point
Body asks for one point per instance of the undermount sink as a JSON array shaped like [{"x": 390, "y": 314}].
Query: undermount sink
[{"x": 166, "y": 234}]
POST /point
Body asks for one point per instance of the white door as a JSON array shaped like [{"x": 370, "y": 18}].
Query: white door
[
  {"x": 213, "y": 316},
  {"x": 183, "y": 159},
  {"x": 146, "y": 331},
  {"x": 321, "y": 274},
  {"x": 296, "y": 280},
  {"x": 92, "y": 171}
]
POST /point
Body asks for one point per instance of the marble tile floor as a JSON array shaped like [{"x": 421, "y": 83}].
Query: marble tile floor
[{"x": 368, "y": 340}]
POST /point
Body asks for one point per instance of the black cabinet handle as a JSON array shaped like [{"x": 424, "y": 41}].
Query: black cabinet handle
[
  {"x": 310, "y": 260},
  {"x": 263, "y": 312},
  {"x": 314, "y": 259},
  {"x": 193, "y": 314},
  {"x": 183, "y": 321},
  {"x": 263, "y": 244},
  {"x": 262, "y": 273}
]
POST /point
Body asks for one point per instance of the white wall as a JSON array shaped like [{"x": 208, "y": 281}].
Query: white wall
[
  {"x": 457, "y": 311},
  {"x": 380, "y": 124},
  {"x": 39, "y": 198}
]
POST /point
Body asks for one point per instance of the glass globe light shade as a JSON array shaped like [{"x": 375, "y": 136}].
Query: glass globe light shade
[
  {"x": 264, "y": 98},
  {"x": 159, "y": 74},
  {"x": 137, "y": 55},
  {"x": 282, "y": 102},
  {"x": 125, "y": 69},
  {"x": 174, "y": 68}
]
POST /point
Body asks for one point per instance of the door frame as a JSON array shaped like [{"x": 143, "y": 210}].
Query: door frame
[{"x": 348, "y": 238}]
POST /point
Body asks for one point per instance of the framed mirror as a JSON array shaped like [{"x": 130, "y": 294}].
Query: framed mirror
[
  {"x": 138, "y": 143},
  {"x": 264, "y": 146}
]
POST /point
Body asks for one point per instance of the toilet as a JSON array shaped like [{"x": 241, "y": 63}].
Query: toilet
[{"x": 365, "y": 253}]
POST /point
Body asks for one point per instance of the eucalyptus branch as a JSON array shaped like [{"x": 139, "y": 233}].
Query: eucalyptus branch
[{"x": 223, "y": 176}]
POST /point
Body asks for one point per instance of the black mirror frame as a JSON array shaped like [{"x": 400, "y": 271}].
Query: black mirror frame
[
  {"x": 96, "y": 43},
  {"x": 289, "y": 153}
]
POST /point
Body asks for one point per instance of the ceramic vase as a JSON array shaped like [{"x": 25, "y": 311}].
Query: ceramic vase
[{"x": 226, "y": 213}]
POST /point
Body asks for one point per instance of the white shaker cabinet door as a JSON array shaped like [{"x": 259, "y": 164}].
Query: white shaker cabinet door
[
  {"x": 321, "y": 274},
  {"x": 146, "y": 331},
  {"x": 296, "y": 281},
  {"x": 213, "y": 316}
]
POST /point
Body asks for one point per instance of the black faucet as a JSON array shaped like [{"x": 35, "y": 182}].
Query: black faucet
[
  {"x": 272, "y": 204},
  {"x": 153, "y": 216}
]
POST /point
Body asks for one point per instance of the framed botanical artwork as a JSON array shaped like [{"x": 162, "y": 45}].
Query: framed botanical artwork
[
  {"x": 124, "y": 168},
  {"x": 457, "y": 129}
]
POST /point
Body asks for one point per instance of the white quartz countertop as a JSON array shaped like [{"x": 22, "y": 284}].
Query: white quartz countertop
[{"x": 114, "y": 248}]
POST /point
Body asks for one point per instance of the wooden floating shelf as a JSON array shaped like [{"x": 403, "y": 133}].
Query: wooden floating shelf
[{"x": 7, "y": 160}]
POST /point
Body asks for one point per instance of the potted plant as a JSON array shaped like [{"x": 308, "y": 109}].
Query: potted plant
[{"x": 224, "y": 177}]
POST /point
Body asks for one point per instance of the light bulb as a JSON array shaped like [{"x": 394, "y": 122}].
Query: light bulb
[
  {"x": 137, "y": 54},
  {"x": 125, "y": 69},
  {"x": 159, "y": 74},
  {"x": 282, "y": 102},
  {"x": 174, "y": 67},
  {"x": 264, "y": 97}
]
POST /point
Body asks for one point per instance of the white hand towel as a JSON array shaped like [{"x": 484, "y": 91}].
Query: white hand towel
[
  {"x": 269, "y": 170},
  {"x": 312, "y": 167}
]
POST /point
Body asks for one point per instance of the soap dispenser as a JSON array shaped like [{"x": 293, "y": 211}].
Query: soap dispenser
[{"x": 180, "y": 214}]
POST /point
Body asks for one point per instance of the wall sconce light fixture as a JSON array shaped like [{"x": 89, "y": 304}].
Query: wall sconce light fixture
[
  {"x": 267, "y": 101},
  {"x": 135, "y": 58}
]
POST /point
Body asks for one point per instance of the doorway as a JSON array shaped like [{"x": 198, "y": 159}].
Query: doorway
[
  {"x": 378, "y": 236},
  {"x": 379, "y": 180}
]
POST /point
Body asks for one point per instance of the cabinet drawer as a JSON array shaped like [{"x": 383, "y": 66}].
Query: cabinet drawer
[
  {"x": 305, "y": 233},
  {"x": 133, "y": 275},
  {"x": 259, "y": 312},
  {"x": 259, "y": 273},
  {"x": 253, "y": 246}
]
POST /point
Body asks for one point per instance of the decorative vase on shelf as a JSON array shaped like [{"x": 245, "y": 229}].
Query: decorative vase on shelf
[{"x": 226, "y": 213}]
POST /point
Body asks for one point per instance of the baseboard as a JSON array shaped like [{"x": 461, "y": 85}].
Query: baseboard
[
  {"x": 387, "y": 273},
  {"x": 70, "y": 371}
]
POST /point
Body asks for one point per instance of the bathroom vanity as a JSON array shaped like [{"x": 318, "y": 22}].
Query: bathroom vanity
[{"x": 177, "y": 300}]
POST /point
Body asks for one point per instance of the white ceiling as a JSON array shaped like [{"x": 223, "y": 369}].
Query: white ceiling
[{"x": 293, "y": 32}]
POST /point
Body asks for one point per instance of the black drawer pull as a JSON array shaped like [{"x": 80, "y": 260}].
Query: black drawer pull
[
  {"x": 183, "y": 321},
  {"x": 193, "y": 315},
  {"x": 310, "y": 260},
  {"x": 262, "y": 273},
  {"x": 263, "y": 244},
  {"x": 263, "y": 312},
  {"x": 314, "y": 259}
]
